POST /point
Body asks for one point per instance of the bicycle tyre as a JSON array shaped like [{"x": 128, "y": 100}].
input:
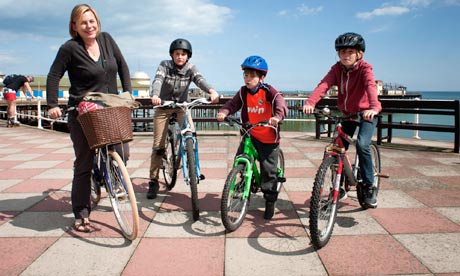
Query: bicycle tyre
[
  {"x": 122, "y": 196},
  {"x": 95, "y": 190},
  {"x": 96, "y": 182},
  {"x": 233, "y": 207},
  {"x": 280, "y": 175},
  {"x": 193, "y": 180},
  {"x": 375, "y": 152},
  {"x": 169, "y": 162},
  {"x": 323, "y": 211}
]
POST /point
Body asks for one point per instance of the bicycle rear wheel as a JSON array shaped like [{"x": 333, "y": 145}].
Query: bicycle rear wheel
[
  {"x": 122, "y": 196},
  {"x": 375, "y": 152},
  {"x": 233, "y": 207},
  {"x": 193, "y": 180},
  {"x": 323, "y": 209},
  {"x": 169, "y": 162}
]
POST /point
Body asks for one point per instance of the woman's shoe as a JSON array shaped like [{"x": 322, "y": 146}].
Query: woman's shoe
[{"x": 82, "y": 226}]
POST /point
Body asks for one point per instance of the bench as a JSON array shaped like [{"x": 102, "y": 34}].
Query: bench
[
  {"x": 427, "y": 107},
  {"x": 402, "y": 106}
]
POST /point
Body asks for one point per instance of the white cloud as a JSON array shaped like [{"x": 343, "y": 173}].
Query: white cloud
[
  {"x": 163, "y": 16},
  {"x": 384, "y": 11},
  {"x": 416, "y": 3},
  {"x": 304, "y": 9}
]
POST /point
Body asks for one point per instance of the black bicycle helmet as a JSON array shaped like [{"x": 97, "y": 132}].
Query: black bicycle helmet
[
  {"x": 183, "y": 44},
  {"x": 350, "y": 40}
]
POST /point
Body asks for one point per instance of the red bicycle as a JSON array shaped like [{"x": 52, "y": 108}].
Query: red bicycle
[{"x": 337, "y": 171}]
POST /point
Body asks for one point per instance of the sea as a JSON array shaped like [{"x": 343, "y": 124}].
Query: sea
[{"x": 429, "y": 119}]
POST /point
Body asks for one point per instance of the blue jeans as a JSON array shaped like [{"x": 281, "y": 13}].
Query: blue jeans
[{"x": 366, "y": 130}]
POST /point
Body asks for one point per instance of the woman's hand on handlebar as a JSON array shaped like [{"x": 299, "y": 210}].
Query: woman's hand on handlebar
[
  {"x": 156, "y": 100},
  {"x": 55, "y": 112},
  {"x": 308, "y": 109}
]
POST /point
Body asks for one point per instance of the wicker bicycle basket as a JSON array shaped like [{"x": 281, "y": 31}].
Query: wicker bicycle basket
[{"x": 110, "y": 125}]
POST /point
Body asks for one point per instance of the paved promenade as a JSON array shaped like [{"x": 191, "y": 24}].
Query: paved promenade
[{"x": 414, "y": 231}]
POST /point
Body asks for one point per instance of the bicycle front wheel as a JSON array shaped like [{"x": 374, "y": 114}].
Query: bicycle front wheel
[
  {"x": 122, "y": 196},
  {"x": 233, "y": 207},
  {"x": 193, "y": 180},
  {"x": 323, "y": 209},
  {"x": 280, "y": 176},
  {"x": 169, "y": 162},
  {"x": 377, "y": 170}
]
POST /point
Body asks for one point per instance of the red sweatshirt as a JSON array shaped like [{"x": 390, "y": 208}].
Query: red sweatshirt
[{"x": 357, "y": 88}]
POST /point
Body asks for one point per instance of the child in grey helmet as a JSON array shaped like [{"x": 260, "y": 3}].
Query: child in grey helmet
[{"x": 171, "y": 83}]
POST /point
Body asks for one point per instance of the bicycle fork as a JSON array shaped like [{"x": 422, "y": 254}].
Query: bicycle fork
[{"x": 183, "y": 156}]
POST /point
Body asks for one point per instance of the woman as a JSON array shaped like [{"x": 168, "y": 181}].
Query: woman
[{"x": 92, "y": 60}]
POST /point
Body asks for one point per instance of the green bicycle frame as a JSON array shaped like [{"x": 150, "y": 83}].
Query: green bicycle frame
[{"x": 249, "y": 157}]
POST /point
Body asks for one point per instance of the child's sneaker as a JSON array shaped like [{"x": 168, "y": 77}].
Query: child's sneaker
[
  {"x": 342, "y": 194},
  {"x": 269, "y": 209}
]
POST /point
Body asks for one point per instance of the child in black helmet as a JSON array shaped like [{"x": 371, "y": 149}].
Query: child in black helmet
[
  {"x": 171, "y": 83},
  {"x": 259, "y": 101},
  {"x": 357, "y": 92}
]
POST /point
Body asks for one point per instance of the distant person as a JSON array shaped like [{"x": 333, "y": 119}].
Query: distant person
[
  {"x": 357, "y": 93},
  {"x": 92, "y": 60},
  {"x": 171, "y": 83},
  {"x": 12, "y": 84},
  {"x": 253, "y": 97}
]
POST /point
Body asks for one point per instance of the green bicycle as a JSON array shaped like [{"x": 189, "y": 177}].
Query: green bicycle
[{"x": 244, "y": 178}]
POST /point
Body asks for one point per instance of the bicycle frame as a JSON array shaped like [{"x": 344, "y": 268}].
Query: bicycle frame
[
  {"x": 345, "y": 167},
  {"x": 100, "y": 163},
  {"x": 187, "y": 131},
  {"x": 184, "y": 132},
  {"x": 248, "y": 157}
]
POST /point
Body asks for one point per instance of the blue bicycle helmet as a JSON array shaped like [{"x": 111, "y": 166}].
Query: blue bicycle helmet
[
  {"x": 255, "y": 63},
  {"x": 350, "y": 40}
]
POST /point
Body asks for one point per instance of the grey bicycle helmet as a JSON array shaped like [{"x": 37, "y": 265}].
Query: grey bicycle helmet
[
  {"x": 350, "y": 40},
  {"x": 182, "y": 44}
]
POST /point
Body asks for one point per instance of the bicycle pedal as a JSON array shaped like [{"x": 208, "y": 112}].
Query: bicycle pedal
[
  {"x": 281, "y": 179},
  {"x": 202, "y": 177}
]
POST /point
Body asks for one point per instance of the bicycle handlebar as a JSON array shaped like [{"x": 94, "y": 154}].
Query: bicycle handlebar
[
  {"x": 232, "y": 121},
  {"x": 183, "y": 105}
]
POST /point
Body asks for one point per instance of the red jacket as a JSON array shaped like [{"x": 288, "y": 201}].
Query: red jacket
[
  {"x": 357, "y": 88},
  {"x": 274, "y": 100}
]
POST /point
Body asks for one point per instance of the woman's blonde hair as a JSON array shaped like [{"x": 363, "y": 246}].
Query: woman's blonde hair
[{"x": 77, "y": 11}]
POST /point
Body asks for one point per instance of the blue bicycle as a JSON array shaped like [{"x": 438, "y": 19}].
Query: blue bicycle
[
  {"x": 109, "y": 169},
  {"x": 182, "y": 145}
]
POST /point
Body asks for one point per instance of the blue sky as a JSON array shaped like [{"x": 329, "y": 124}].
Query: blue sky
[{"x": 411, "y": 42}]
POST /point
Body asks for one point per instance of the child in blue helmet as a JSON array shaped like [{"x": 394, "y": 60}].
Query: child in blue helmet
[{"x": 259, "y": 101}]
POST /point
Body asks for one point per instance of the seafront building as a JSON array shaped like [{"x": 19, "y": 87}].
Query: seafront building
[{"x": 140, "y": 82}]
